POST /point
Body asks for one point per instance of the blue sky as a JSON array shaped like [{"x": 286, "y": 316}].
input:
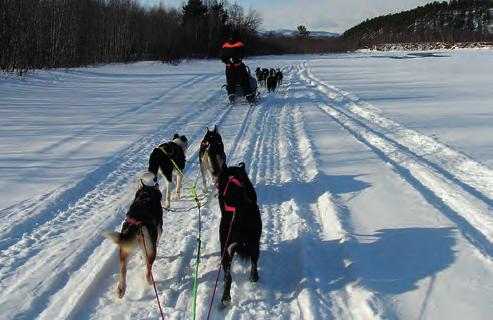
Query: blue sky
[{"x": 327, "y": 15}]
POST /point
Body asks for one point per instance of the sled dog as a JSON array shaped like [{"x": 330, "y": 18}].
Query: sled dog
[
  {"x": 240, "y": 220},
  {"x": 211, "y": 156},
  {"x": 272, "y": 81},
  {"x": 141, "y": 229},
  {"x": 170, "y": 158},
  {"x": 279, "y": 76}
]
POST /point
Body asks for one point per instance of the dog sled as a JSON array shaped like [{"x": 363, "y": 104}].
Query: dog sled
[{"x": 240, "y": 93}]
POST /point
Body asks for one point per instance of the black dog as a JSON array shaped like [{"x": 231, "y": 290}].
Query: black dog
[
  {"x": 272, "y": 81},
  {"x": 143, "y": 222},
  {"x": 279, "y": 76},
  {"x": 165, "y": 157},
  {"x": 211, "y": 156},
  {"x": 240, "y": 220}
]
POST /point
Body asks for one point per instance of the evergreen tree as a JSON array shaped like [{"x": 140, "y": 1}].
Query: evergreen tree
[
  {"x": 302, "y": 31},
  {"x": 195, "y": 27}
]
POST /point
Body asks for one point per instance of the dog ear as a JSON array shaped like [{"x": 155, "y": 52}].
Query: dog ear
[
  {"x": 183, "y": 138},
  {"x": 207, "y": 130},
  {"x": 216, "y": 129},
  {"x": 176, "y": 136},
  {"x": 242, "y": 165}
]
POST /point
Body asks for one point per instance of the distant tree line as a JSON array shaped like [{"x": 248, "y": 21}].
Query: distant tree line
[
  {"x": 454, "y": 21},
  {"x": 299, "y": 42},
  {"x": 302, "y": 44},
  {"x": 38, "y": 34}
]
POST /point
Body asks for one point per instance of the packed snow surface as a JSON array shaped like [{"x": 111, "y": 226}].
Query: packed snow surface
[{"x": 373, "y": 173}]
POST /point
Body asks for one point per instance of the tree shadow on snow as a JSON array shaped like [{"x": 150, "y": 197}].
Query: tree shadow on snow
[
  {"x": 399, "y": 258},
  {"x": 309, "y": 191},
  {"x": 391, "y": 261}
]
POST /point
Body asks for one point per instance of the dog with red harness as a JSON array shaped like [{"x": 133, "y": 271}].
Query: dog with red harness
[
  {"x": 142, "y": 228},
  {"x": 241, "y": 225}
]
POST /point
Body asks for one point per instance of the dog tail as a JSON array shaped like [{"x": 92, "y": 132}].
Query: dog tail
[
  {"x": 117, "y": 237},
  {"x": 112, "y": 235}
]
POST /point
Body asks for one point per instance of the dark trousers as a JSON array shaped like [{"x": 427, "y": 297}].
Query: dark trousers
[{"x": 238, "y": 75}]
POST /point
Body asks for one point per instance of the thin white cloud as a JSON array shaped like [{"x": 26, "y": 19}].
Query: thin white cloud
[{"x": 329, "y": 15}]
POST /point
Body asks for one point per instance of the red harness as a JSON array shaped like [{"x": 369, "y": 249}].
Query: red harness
[
  {"x": 236, "y": 65},
  {"x": 204, "y": 144},
  {"x": 133, "y": 221},
  {"x": 238, "y": 184}
]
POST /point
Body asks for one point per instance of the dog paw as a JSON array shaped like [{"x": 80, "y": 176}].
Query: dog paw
[
  {"x": 166, "y": 205},
  {"x": 120, "y": 291},
  {"x": 226, "y": 301},
  {"x": 147, "y": 279},
  {"x": 254, "y": 276},
  {"x": 176, "y": 197}
]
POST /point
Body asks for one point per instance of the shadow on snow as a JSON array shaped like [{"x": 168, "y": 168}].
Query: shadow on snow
[
  {"x": 391, "y": 261},
  {"x": 309, "y": 191}
]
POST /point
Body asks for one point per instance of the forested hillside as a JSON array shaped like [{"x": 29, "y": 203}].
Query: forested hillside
[{"x": 454, "y": 21}]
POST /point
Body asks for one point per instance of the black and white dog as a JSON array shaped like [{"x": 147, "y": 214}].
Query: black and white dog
[
  {"x": 167, "y": 157},
  {"x": 265, "y": 74},
  {"x": 211, "y": 156},
  {"x": 240, "y": 220},
  {"x": 258, "y": 74},
  {"x": 143, "y": 223}
]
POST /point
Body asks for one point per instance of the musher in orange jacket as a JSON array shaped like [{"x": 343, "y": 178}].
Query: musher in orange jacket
[{"x": 232, "y": 56}]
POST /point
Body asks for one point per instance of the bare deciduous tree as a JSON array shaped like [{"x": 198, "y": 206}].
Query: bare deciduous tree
[{"x": 64, "y": 33}]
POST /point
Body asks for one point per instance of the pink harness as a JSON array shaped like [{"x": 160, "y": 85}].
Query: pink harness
[{"x": 238, "y": 184}]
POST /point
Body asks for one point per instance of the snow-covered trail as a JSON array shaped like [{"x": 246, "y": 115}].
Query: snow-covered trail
[
  {"x": 403, "y": 228},
  {"x": 83, "y": 211},
  {"x": 463, "y": 186},
  {"x": 61, "y": 124},
  {"x": 292, "y": 228},
  {"x": 363, "y": 218}
]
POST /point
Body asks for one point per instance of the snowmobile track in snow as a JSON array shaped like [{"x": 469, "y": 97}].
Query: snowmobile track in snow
[
  {"x": 101, "y": 185},
  {"x": 29, "y": 213},
  {"x": 446, "y": 186}
]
